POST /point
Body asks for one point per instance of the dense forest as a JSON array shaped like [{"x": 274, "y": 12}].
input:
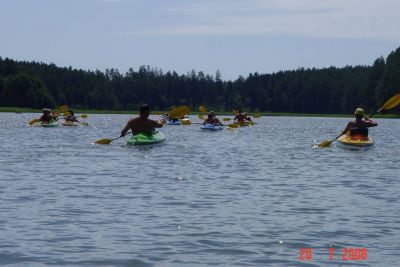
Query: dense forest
[{"x": 328, "y": 90}]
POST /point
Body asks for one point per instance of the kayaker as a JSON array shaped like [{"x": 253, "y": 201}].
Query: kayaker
[
  {"x": 142, "y": 124},
  {"x": 359, "y": 127},
  {"x": 71, "y": 117},
  {"x": 212, "y": 119},
  {"x": 240, "y": 118},
  {"x": 247, "y": 117},
  {"x": 166, "y": 116},
  {"x": 47, "y": 116}
]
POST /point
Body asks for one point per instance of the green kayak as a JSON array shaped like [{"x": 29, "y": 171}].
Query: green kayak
[
  {"x": 49, "y": 124},
  {"x": 146, "y": 139}
]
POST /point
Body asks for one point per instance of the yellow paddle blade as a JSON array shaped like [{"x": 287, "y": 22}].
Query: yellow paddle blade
[
  {"x": 201, "y": 117},
  {"x": 230, "y": 129},
  {"x": 250, "y": 122},
  {"x": 85, "y": 124},
  {"x": 31, "y": 122},
  {"x": 186, "y": 122},
  {"x": 178, "y": 112},
  {"x": 63, "y": 108},
  {"x": 104, "y": 141},
  {"x": 84, "y": 116},
  {"x": 391, "y": 103},
  {"x": 226, "y": 119},
  {"x": 325, "y": 143},
  {"x": 233, "y": 125},
  {"x": 257, "y": 115},
  {"x": 202, "y": 109}
]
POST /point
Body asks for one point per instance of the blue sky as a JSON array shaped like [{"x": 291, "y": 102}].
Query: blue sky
[{"x": 236, "y": 37}]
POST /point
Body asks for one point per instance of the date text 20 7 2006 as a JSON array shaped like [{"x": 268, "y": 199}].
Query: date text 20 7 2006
[{"x": 348, "y": 254}]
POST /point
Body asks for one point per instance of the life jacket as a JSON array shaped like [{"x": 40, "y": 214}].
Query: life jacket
[{"x": 359, "y": 133}]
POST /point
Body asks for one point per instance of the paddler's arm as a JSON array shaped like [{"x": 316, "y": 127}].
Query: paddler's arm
[
  {"x": 369, "y": 122},
  {"x": 348, "y": 127},
  {"x": 218, "y": 122},
  {"x": 126, "y": 129},
  {"x": 158, "y": 124}
]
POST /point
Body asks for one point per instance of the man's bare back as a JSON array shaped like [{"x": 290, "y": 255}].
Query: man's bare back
[{"x": 141, "y": 124}]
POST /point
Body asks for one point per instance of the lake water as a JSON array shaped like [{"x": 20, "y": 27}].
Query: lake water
[{"x": 256, "y": 196}]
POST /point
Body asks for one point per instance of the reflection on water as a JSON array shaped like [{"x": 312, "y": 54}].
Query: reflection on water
[{"x": 251, "y": 197}]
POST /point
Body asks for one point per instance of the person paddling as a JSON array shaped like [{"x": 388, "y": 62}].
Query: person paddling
[
  {"x": 71, "y": 117},
  {"x": 142, "y": 124},
  {"x": 241, "y": 118},
  {"x": 212, "y": 119},
  {"x": 358, "y": 129},
  {"x": 47, "y": 116}
]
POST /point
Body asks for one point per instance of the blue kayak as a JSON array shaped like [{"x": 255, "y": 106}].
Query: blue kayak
[
  {"x": 173, "y": 122},
  {"x": 211, "y": 127}
]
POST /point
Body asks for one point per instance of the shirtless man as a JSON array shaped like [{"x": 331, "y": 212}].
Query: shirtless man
[
  {"x": 360, "y": 124},
  {"x": 47, "y": 115},
  {"x": 142, "y": 124}
]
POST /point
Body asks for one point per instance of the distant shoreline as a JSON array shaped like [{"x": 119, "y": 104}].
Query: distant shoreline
[{"x": 267, "y": 114}]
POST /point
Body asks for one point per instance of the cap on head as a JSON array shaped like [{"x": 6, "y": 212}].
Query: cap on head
[
  {"x": 46, "y": 110},
  {"x": 359, "y": 112}
]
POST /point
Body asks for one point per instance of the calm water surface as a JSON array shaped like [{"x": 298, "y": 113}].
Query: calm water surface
[{"x": 251, "y": 197}]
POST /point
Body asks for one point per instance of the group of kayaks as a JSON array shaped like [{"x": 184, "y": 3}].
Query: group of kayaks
[{"x": 158, "y": 137}]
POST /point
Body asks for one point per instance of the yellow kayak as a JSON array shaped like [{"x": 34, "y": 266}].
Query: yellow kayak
[{"x": 347, "y": 140}]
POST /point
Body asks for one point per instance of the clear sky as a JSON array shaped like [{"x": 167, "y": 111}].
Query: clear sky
[{"x": 237, "y": 37}]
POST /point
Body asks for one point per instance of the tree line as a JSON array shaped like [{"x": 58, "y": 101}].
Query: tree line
[{"x": 327, "y": 90}]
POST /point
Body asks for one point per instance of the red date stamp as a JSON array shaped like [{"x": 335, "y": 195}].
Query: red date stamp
[{"x": 348, "y": 254}]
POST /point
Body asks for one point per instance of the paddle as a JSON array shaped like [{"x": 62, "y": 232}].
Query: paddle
[
  {"x": 107, "y": 141},
  {"x": 185, "y": 122},
  {"x": 31, "y": 122},
  {"x": 233, "y": 125},
  {"x": 178, "y": 112},
  {"x": 226, "y": 119},
  {"x": 202, "y": 109},
  {"x": 391, "y": 103},
  {"x": 257, "y": 115}
]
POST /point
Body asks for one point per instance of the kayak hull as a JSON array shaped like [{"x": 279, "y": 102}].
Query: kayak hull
[
  {"x": 210, "y": 127},
  {"x": 49, "y": 124},
  {"x": 69, "y": 123},
  {"x": 173, "y": 122},
  {"x": 347, "y": 141},
  {"x": 146, "y": 139}
]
